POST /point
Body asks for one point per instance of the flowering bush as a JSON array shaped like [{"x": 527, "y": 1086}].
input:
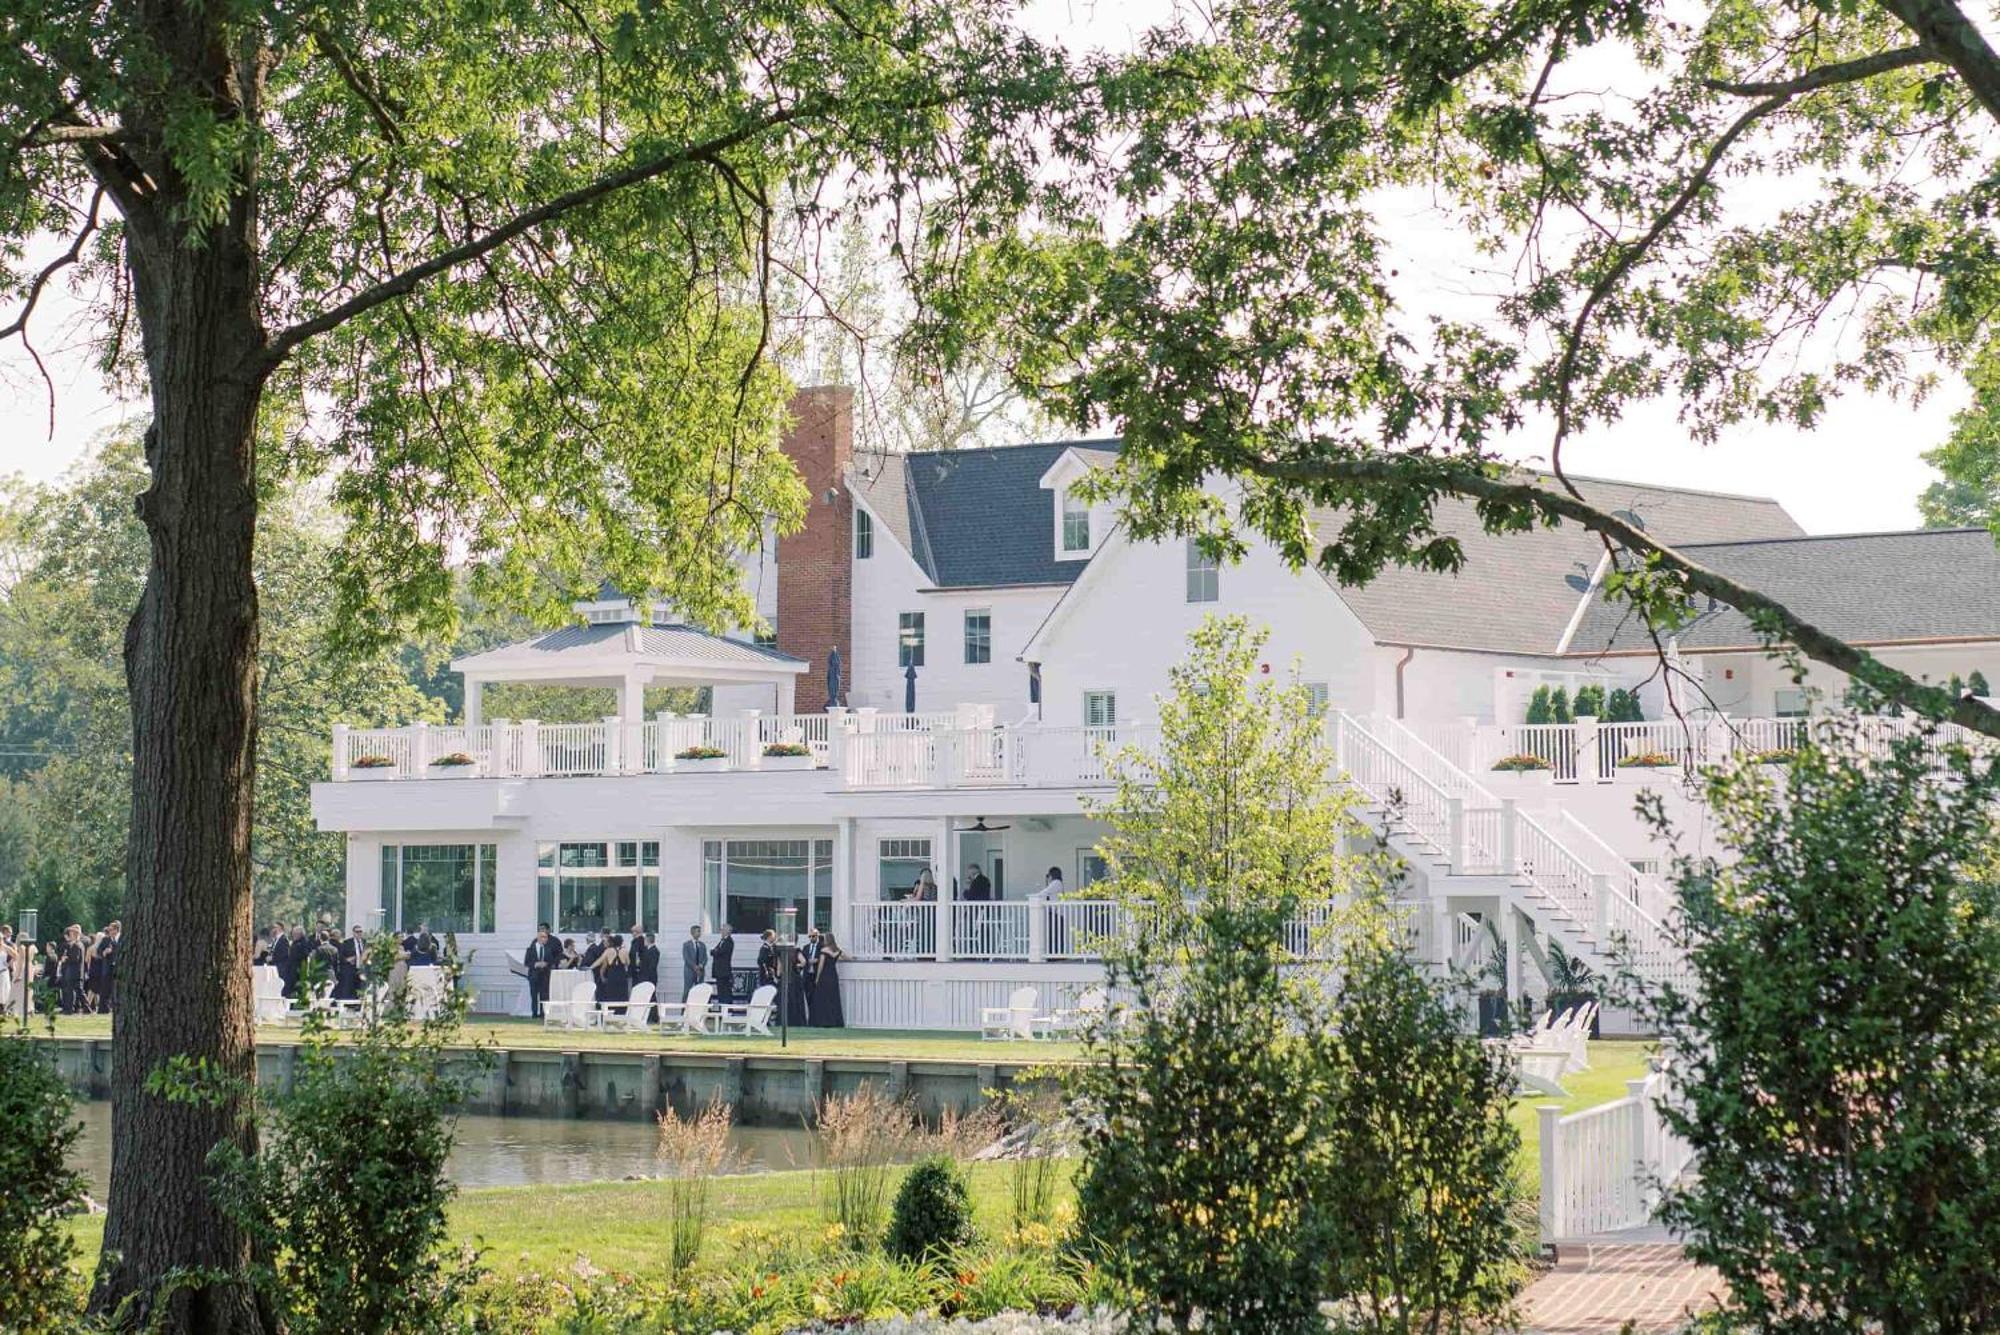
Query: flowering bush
[
  {"x": 453, "y": 760},
  {"x": 1777, "y": 757},
  {"x": 1646, "y": 760},
  {"x": 701, "y": 753},
  {"x": 788, "y": 749},
  {"x": 372, "y": 762},
  {"x": 1519, "y": 764}
]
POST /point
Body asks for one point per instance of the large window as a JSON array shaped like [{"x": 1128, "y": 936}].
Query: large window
[
  {"x": 979, "y": 636},
  {"x": 1075, "y": 524},
  {"x": 749, "y": 880},
  {"x": 909, "y": 639},
  {"x": 1204, "y": 575},
  {"x": 450, "y": 887},
  {"x": 599, "y": 886},
  {"x": 864, "y": 535},
  {"x": 1090, "y": 867},
  {"x": 1317, "y": 698},
  {"x": 898, "y": 865},
  {"x": 1100, "y": 709}
]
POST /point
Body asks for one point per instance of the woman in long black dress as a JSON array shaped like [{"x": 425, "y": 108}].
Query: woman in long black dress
[
  {"x": 826, "y": 1011},
  {"x": 614, "y": 977}
]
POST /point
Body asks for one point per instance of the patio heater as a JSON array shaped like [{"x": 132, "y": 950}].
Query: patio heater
[
  {"x": 787, "y": 928},
  {"x": 29, "y": 928}
]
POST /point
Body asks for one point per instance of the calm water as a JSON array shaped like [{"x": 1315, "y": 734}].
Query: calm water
[{"x": 517, "y": 1151}]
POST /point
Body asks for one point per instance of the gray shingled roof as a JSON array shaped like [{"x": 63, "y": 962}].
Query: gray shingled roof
[
  {"x": 1517, "y": 592},
  {"x": 1866, "y": 588},
  {"x": 976, "y": 518}
]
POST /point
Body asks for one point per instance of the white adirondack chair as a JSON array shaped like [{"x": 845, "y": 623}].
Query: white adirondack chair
[
  {"x": 573, "y": 1011},
  {"x": 426, "y": 985},
  {"x": 690, "y": 1016},
  {"x": 268, "y": 995},
  {"x": 1090, "y": 1009},
  {"x": 753, "y": 1018},
  {"x": 1017, "y": 1019},
  {"x": 634, "y": 1014}
]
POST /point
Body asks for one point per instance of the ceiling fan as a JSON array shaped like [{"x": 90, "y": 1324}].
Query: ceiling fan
[{"x": 979, "y": 826}]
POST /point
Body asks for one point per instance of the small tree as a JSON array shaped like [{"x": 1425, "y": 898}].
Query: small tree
[
  {"x": 1976, "y": 684},
  {"x": 1559, "y": 706},
  {"x": 1956, "y": 686},
  {"x": 932, "y": 1215},
  {"x": 1840, "y": 1082},
  {"x": 1589, "y": 700},
  {"x": 1622, "y": 706},
  {"x": 1539, "y": 709},
  {"x": 37, "y": 1189}
]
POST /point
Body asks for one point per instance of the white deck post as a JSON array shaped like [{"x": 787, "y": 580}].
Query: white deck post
[
  {"x": 1546, "y": 1117},
  {"x": 339, "y": 751},
  {"x": 947, "y": 860},
  {"x": 1590, "y": 764},
  {"x": 836, "y": 741},
  {"x": 420, "y": 751},
  {"x": 1038, "y": 928},
  {"x": 612, "y": 736},
  {"x": 1454, "y": 837},
  {"x": 1510, "y": 938},
  {"x": 1510, "y": 858},
  {"x": 1600, "y": 908},
  {"x": 749, "y": 747},
  {"x": 475, "y": 700},
  {"x": 531, "y": 747},
  {"x": 1642, "y": 1116},
  {"x": 843, "y": 878}
]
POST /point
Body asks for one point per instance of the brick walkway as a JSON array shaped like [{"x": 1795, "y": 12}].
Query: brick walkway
[{"x": 1597, "y": 1290}]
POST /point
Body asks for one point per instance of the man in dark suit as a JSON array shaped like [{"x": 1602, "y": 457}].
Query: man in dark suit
[
  {"x": 544, "y": 953},
  {"x": 977, "y": 888},
  {"x": 347, "y": 973},
  {"x": 646, "y": 961},
  {"x": 592, "y": 950},
  {"x": 723, "y": 960},
  {"x": 694, "y": 960},
  {"x": 289, "y": 955}
]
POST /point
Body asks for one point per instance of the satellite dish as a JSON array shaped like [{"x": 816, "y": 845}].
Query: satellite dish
[{"x": 1631, "y": 517}]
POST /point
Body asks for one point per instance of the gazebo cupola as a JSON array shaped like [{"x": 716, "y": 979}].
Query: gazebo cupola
[{"x": 618, "y": 646}]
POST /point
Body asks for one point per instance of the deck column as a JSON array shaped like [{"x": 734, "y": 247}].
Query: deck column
[
  {"x": 475, "y": 700},
  {"x": 339, "y": 751},
  {"x": 1546, "y": 1117}
]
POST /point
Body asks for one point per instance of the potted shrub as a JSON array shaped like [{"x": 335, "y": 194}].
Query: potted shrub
[
  {"x": 1647, "y": 760},
  {"x": 1520, "y": 764},
  {"x": 1571, "y": 983},
  {"x": 371, "y": 768},
  {"x": 1775, "y": 757},
  {"x": 788, "y": 755},
  {"x": 456, "y": 765},
  {"x": 701, "y": 759}
]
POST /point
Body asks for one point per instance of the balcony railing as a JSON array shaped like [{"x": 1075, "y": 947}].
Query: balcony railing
[
  {"x": 861, "y": 749},
  {"x": 1031, "y": 931}
]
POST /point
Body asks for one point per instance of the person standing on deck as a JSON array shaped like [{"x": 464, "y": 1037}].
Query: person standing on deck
[
  {"x": 723, "y": 961},
  {"x": 694, "y": 961}
]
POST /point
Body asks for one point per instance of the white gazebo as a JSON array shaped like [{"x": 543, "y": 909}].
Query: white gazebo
[{"x": 621, "y": 647}]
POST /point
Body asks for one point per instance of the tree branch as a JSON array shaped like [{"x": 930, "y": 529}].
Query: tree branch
[
  {"x": 1943, "y": 27},
  {"x": 407, "y": 281},
  {"x": 1383, "y": 471},
  {"x": 19, "y": 324},
  {"x": 76, "y": 134},
  {"x": 1827, "y": 76}
]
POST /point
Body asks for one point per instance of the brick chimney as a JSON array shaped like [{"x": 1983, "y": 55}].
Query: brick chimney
[{"x": 815, "y": 564}]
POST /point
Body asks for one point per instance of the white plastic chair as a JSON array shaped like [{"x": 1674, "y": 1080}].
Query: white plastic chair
[
  {"x": 753, "y": 1018},
  {"x": 268, "y": 995},
  {"x": 690, "y": 1016},
  {"x": 636, "y": 1013},
  {"x": 1090, "y": 1009},
  {"x": 426, "y": 984},
  {"x": 573, "y": 1011},
  {"x": 1016, "y": 1019}
]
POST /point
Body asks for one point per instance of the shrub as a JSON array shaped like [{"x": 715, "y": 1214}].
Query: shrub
[
  {"x": 1518, "y": 764},
  {"x": 453, "y": 760},
  {"x": 1589, "y": 700},
  {"x": 1838, "y": 1080},
  {"x": 693, "y": 1150},
  {"x": 346, "y": 1195},
  {"x": 933, "y": 1212},
  {"x": 1781, "y": 756},
  {"x": 1622, "y": 706},
  {"x": 788, "y": 749},
  {"x": 372, "y": 762},
  {"x": 1647, "y": 760},
  {"x": 1539, "y": 709},
  {"x": 1559, "y": 706},
  {"x": 1422, "y": 1194},
  {"x": 701, "y": 753},
  {"x": 1976, "y": 684},
  {"x": 37, "y": 1189}
]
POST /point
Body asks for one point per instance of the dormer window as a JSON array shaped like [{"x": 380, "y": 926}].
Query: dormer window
[
  {"x": 864, "y": 534},
  {"x": 1075, "y": 525}
]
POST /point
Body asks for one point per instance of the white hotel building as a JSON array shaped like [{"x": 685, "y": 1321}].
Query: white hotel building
[{"x": 1037, "y": 631}]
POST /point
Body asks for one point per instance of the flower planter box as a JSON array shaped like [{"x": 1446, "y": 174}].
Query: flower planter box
[
  {"x": 374, "y": 773},
  {"x": 788, "y": 762},
  {"x": 457, "y": 771},
  {"x": 706, "y": 765}
]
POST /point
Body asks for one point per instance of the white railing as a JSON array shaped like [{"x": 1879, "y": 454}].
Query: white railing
[
  {"x": 1651, "y": 893},
  {"x": 905, "y": 930},
  {"x": 1424, "y": 809},
  {"x": 1603, "y": 1168},
  {"x": 1077, "y": 929},
  {"x": 991, "y": 930}
]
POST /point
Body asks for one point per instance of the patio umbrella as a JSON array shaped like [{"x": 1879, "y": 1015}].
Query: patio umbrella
[
  {"x": 910, "y": 689},
  {"x": 833, "y": 677}
]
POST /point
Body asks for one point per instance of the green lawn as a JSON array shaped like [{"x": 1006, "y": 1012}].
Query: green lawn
[
  {"x": 621, "y": 1226},
  {"x": 895, "y": 1044}
]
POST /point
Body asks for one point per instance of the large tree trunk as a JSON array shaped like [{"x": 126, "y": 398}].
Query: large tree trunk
[{"x": 190, "y": 658}]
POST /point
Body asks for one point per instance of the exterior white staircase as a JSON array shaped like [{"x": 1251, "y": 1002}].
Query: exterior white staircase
[{"x": 1570, "y": 884}]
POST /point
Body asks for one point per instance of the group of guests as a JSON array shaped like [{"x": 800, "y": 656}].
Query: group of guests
[
  {"x": 296, "y": 954},
  {"x": 619, "y": 967},
  {"x": 81, "y": 970}
]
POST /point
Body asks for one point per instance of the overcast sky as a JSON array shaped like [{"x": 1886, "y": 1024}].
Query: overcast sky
[{"x": 1859, "y": 472}]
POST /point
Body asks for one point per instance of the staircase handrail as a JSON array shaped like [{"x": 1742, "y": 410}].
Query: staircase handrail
[{"x": 1648, "y": 891}]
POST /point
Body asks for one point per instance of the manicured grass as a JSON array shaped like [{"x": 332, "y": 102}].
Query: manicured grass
[
  {"x": 886, "y": 1044},
  {"x": 621, "y": 1226}
]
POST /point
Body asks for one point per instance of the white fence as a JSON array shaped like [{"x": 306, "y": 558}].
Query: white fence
[
  {"x": 1033, "y": 931},
  {"x": 1603, "y": 1168}
]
